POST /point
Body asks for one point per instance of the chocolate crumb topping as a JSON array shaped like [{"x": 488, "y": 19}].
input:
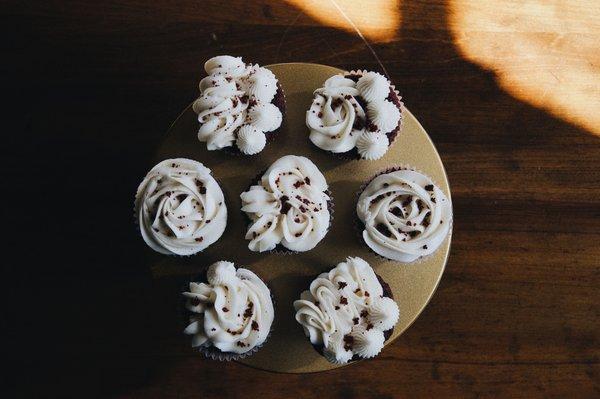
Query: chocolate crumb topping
[
  {"x": 355, "y": 320},
  {"x": 348, "y": 342},
  {"x": 396, "y": 211},
  {"x": 429, "y": 187},
  {"x": 285, "y": 205},
  {"x": 195, "y": 301},
  {"x": 364, "y": 313},
  {"x": 377, "y": 199},
  {"x": 225, "y": 309},
  {"x": 369, "y": 326},
  {"x": 359, "y": 124},
  {"x": 199, "y": 239},
  {"x": 254, "y": 325},
  {"x": 343, "y": 300},
  {"x": 336, "y": 103},
  {"x": 382, "y": 228},
  {"x": 342, "y": 284},
  {"x": 248, "y": 311}
]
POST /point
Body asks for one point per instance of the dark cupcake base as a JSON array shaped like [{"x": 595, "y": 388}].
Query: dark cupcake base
[{"x": 387, "y": 292}]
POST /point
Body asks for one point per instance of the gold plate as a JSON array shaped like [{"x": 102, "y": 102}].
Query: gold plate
[{"x": 287, "y": 349}]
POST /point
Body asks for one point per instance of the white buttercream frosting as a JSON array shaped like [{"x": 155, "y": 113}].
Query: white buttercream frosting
[
  {"x": 405, "y": 215},
  {"x": 373, "y": 86},
  {"x": 383, "y": 114},
  {"x": 338, "y": 118},
  {"x": 337, "y": 312},
  {"x": 288, "y": 206},
  {"x": 250, "y": 140},
  {"x": 266, "y": 117},
  {"x": 180, "y": 207},
  {"x": 262, "y": 85},
  {"x": 228, "y": 95},
  {"x": 372, "y": 145},
  {"x": 233, "y": 311}
]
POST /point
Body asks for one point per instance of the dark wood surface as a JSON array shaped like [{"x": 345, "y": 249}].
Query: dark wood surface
[{"x": 91, "y": 87}]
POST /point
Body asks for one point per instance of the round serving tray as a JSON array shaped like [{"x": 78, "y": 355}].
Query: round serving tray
[{"x": 287, "y": 349}]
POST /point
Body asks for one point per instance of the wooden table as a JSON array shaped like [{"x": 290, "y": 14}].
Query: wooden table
[{"x": 509, "y": 92}]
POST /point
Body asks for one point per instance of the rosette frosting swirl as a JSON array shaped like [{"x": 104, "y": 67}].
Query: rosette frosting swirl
[
  {"x": 346, "y": 114},
  {"x": 345, "y": 312},
  {"x": 180, "y": 207},
  {"x": 230, "y": 93},
  {"x": 405, "y": 215},
  {"x": 232, "y": 312},
  {"x": 288, "y": 206}
]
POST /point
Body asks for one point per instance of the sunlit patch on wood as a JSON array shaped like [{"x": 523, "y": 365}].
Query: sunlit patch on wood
[
  {"x": 546, "y": 53},
  {"x": 377, "y": 20}
]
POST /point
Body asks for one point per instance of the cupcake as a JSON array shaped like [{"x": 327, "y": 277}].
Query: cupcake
[
  {"x": 240, "y": 106},
  {"x": 358, "y": 114},
  {"x": 403, "y": 215},
  {"x": 288, "y": 207},
  {"x": 348, "y": 313},
  {"x": 180, "y": 207},
  {"x": 230, "y": 314}
]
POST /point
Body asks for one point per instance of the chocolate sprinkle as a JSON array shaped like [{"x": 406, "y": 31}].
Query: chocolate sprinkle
[
  {"x": 195, "y": 301},
  {"x": 348, "y": 342}
]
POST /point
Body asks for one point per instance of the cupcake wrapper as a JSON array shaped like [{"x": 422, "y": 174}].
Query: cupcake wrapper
[
  {"x": 359, "y": 225},
  {"x": 137, "y": 224},
  {"x": 211, "y": 352}
]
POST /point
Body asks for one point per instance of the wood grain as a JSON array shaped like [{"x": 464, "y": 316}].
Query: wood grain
[{"x": 94, "y": 86}]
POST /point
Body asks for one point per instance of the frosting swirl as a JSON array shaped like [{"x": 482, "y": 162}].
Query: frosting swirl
[
  {"x": 230, "y": 93},
  {"x": 345, "y": 312},
  {"x": 343, "y": 111},
  {"x": 180, "y": 207},
  {"x": 250, "y": 140},
  {"x": 288, "y": 206},
  {"x": 232, "y": 312},
  {"x": 405, "y": 215},
  {"x": 372, "y": 146}
]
